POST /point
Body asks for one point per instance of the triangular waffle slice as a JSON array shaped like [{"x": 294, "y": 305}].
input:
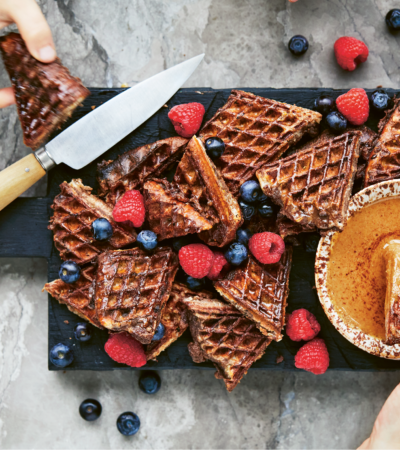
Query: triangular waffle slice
[
  {"x": 287, "y": 227},
  {"x": 256, "y": 131},
  {"x": 201, "y": 182},
  {"x": 260, "y": 292},
  {"x": 313, "y": 186},
  {"x": 222, "y": 335},
  {"x": 46, "y": 94},
  {"x": 131, "y": 169},
  {"x": 78, "y": 296},
  {"x": 74, "y": 211},
  {"x": 384, "y": 162},
  {"x": 174, "y": 317},
  {"x": 169, "y": 213},
  {"x": 132, "y": 288}
]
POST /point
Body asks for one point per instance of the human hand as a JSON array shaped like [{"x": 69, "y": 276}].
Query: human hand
[
  {"x": 34, "y": 30},
  {"x": 385, "y": 433}
]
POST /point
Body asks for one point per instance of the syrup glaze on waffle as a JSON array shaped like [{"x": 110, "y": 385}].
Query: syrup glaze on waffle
[
  {"x": 256, "y": 131},
  {"x": 201, "y": 182},
  {"x": 132, "y": 288},
  {"x": 170, "y": 213},
  {"x": 384, "y": 162},
  {"x": 174, "y": 318},
  {"x": 313, "y": 186},
  {"x": 78, "y": 296},
  {"x": 74, "y": 211},
  {"x": 222, "y": 335},
  {"x": 131, "y": 169},
  {"x": 260, "y": 292},
  {"x": 46, "y": 94}
]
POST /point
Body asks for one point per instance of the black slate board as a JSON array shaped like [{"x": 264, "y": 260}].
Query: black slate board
[{"x": 23, "y": 233}]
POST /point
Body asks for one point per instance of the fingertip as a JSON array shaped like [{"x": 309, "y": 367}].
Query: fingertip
[
  {"x": 47, "y": 54},
  {"x": 7, "y": 97}
]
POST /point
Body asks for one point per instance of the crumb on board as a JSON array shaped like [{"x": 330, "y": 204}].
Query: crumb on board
[
  {"x": 66, "y": 321},
  {"x": 93, "y": 106},
  {"x": 124, "y": 85},
  {"x": 165, "y": 106},
  {"x": 198, "y": 92},
  {"x": 279, "y": 359},
  {"x": 379, "y": 86}
]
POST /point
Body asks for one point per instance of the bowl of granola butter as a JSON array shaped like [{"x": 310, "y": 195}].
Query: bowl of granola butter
[{"x": 350, "y": 268}]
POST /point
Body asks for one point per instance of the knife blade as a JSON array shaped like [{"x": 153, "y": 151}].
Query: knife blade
[{"x": 95, "y": 133}]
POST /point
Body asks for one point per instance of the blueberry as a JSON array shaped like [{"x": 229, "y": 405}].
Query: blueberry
[
  {"x": 149, "y": 382},
  {"x": 195, "y": 284},
  {"x": 250, "y": 191},
  {"x": 266, "y": 210},
  {"x": 159, "y": 334},
  {"x": 69, "y": 272},
  {"x": 102, "y": 229},
  {"x": 147, "y": 240},
  {"x": 380, "y": 100},
  {"x": 393, "y": 19},
  {"x": 324, "y": 104},
  {"x": 83, "y": 332},
  {"x": 236, "y": 253},
  {"x": 61, "y": 355},
  {"x": 311, "y": 242},
  {"x": 215, "y": 147},
  {"x": 243, "y": 235},
  {"x": 336, "y": 122},
  {"x": 128, "y": 423},
  {"x": 90, "y": 409},
  {"x": 298, "y": 45},
  {"x": 179, "y": 242},
  {"x": 247, "y": 210}
]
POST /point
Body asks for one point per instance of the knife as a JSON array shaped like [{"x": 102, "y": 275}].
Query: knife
[{"x": 97, "y": 131}]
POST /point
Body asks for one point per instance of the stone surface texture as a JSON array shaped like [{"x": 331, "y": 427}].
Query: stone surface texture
[{"x": 108, "y": 43}]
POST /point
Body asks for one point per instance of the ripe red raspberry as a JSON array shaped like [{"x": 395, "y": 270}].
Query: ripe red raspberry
[
  {"x": 196, "y": 260},
  {"x": 219, "y": 263},
  {"x": 350, "y": 52},
  {"x": 354, "y": 105},
  {"x": 302, "y": 325},
  {"x": 267, "y": 247},
  {"x": 313, "y": 357},
  {"x": 130, "y": 208},
  {"x": 124, "y": 349},
  {"x": 187, "y": 118}
]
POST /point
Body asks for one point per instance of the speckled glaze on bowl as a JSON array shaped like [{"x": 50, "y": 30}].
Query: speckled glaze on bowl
[{"x": 355, "y": 335}]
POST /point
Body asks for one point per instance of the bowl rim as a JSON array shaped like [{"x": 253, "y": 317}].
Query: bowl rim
[{"x": 366, "y": 342}]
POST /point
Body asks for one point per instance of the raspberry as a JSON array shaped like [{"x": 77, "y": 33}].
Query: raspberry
[
  {"x": 302, "y": 325},
  {"x": 267, "y": 247},
  {"x": 354, "y": 105},
  {"x": 219, "y": 263},
  {"x": 187, "y": 118},
  {"x": 124, "y": 349},
  {"x": 130, "y": 208},
  {"x": 313, "y": 357},
  {"x": 350, "y": 52},
  {"x": 196, "y": 260}
]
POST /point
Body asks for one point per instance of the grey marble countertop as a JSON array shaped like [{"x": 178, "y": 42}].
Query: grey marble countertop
[{"x": 109, "y": 43}]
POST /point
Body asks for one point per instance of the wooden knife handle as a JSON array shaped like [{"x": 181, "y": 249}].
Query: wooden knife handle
[{"x": 17, "y": 178}]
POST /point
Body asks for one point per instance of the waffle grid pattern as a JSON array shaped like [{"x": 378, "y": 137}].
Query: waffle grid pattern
[
  {"x": 260, "y": 292},
  {"x": 256, "y": 131},
  {"x": 312, "y": 185}
]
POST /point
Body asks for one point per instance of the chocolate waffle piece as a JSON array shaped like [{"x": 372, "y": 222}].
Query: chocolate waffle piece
[
  {"x": 260, "y": 292},
  {"x": 78, "y": 296},
  {"x": 391, "y": 254},
  {"x": 170, "y": 213},
  {"x": 384, "y": 162},
  {"x": 131, "y": 169},
  {"x": 287, "y": 227},
  {"x": 74, "y": 211},
  {"x": 46, "y": 94},
  {"x": 132, "y": 288},
  {"x": 313, "y": 186},
  {"x": 256, "y": 131},
  {"x": 174, "y": 318},
  {"x": 200, "y": 181},
  {"x": 222, "y": 335}
]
